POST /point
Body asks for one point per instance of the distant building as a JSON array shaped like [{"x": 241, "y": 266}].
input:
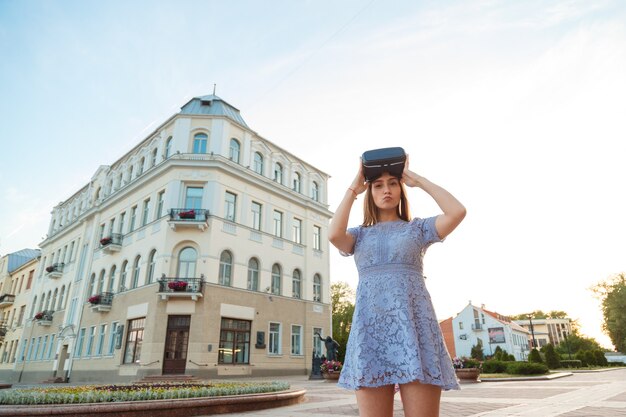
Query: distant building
[
  {"x": 200, "y": 251},
  {"x": 476, "y": 325},
  {"x": 547, "y": 331},
  {"x": 17, "y": 271}
]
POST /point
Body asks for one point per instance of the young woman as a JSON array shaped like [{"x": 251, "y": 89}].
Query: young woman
[{"x": 395, "y": 337}]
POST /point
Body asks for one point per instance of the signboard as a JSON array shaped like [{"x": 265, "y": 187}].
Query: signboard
[{"x": 496, "y": 335}]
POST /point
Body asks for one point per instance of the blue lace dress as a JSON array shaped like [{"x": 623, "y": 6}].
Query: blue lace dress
[{"x": 395, "y": 337}]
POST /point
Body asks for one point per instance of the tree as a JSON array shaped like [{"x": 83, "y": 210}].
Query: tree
[
  {"x": 576, "y": 343},
  {"x": 477, "y": 352},
  {"x": 552, "y": 358},
  {"x": 557, "y": 314},
  {"x": 612, "y": 294},
  {"x": 342, "y": 299},
  {"x": 534, "y": 356}
]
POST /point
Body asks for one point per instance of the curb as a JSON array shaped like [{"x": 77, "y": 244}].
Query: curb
[{"x": 530, "y": 378}]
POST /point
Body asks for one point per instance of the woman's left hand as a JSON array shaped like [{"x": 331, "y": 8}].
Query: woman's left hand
[{"x": 409, "y": 177}]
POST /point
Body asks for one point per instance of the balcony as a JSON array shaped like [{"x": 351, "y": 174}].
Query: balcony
[
  {"x": 181, "y": 288},
  {"x": 3, "y": 330},
  {"x": 55, "y": 270},
  {"x": 188, "y": 218},
  {"x": 112, "y": 243},
  {"x": 7, "y": 300},
  {"x": 101, "y": 303},
  {"x": 477, "y": 327},
  {"x": 44, "y": 318}
]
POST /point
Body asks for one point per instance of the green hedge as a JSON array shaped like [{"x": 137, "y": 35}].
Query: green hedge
[
  {"x": 573, "y": 363},
  {"x": 526, "y": 368},
  {"x": 494, "y": 366}
]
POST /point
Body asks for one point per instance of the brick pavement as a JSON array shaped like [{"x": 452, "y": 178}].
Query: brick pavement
[{"x": 599, "y": 394}]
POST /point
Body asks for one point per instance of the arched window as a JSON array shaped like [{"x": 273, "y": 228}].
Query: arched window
[
  {"x": 41, "y": 301},
  {"x": 136, "y": 272},
  {"x": 111, "y": 189},
  {"x": 253, "y": 274},
  {"x": 276, "y": 279},
  {"x": 97, "y": 195},
  {"x": 295, "y": 284},
  {"x": 124, "y": 276},
  {"x": 315, "y": 191},
  {"x": 278, "y": 173},
  {"x": 187, "y": 263},
  {"x": 234, "y": 150},
  {"x": 92, "y": 285},
  {"x": 296, "y": 182},
  {"x": 153, "y": 161},
  {"x": 258, "y": 163},
  {"x": 199, "y": 143},
  {"x": 32, "y": 309},
  {"x": 120, "y": 181},
  {"x": 142, "y": 164},
  {"x": 53, "y": 304},
  {"x": 151, "y": 266},
  {"x": 226, "y": 268},
  {"x": 61, "y": 298},
  {"x": 112, "y": 279},
  {"x": 168, "y": 147},
  {"x": 101, "y": 282},
  {"x": 130, "y": 174},
  {"x": 317, "y": 288}
]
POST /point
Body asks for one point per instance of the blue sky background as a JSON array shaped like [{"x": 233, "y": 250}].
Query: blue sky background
[{"x": 515, "y": 107}]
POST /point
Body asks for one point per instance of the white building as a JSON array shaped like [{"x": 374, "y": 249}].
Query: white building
[
  {"x": 476, "y": 325},
  {"x": 200, "y": 251}
]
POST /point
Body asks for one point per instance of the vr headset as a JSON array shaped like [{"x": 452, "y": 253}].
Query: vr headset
[{"x": 378, "y": 161}]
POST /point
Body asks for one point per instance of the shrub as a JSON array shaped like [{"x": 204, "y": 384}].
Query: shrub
[
  {"x": 552, "y": 358},
  {"x": 534, "y": 356},
  {"x": 600, "y": 358},
  {"x": 580, "y": 355},
  {"x": 590, "y": 358},
  {"x": 526, "y": 368},
  {"x": 573, "y": 363},
  {"x": 616, "y": 363},
  {"x": 494, "y": 366}
]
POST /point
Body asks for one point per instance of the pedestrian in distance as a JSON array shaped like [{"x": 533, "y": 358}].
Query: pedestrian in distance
[{"x": 395, "y": 337}]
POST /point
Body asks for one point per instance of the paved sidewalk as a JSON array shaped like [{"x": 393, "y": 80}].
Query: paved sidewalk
[{"x": 600, "y": 394}]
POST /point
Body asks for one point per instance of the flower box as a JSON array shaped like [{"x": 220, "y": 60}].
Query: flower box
[
  {"x": 188, "y": 214},
  {"x": 94, "y": 299},
  {"x": 49, "y": 268},
  {"x": 39, "y": 315},
  {"x": 331, "y": 370},
  {"x": 105, "y": 241},
  {"x": 177, "y": 285},
  {"x": 467, "y": 369}
]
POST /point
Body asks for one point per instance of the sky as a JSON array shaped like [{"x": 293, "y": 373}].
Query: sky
[{"x": 516, "y": 108}]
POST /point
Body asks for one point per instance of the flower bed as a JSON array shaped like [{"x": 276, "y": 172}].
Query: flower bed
[{"x": 133, "y": 392}]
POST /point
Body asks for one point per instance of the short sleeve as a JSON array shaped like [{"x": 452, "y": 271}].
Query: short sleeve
[
  {"x": 356, "y": 232},
  {"x": 427, "y": 231}
]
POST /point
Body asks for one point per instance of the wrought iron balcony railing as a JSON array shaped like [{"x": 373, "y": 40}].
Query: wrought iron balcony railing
[
  {"x": 181, "y": 287},
  {"x": 55, "y": 270},
  {"x": 185, "y": 217},
  {"x": 113, "y": 239},
  {"x": 44, "y": 316},
  {"x": 104, "y": 298}
]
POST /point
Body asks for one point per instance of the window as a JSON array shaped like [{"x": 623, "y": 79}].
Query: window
[
  {"x": 111, "y": 228},
  {"x": 317, "y": 238},
  {"x": 258, "y": 163},
  {"x": 315, "y": 191},
  {"x": 20, "y": 317},
  {"x": 142, "y": 163},
  {"x": 160, "y": 201},
  {"x": 278, "y": 173},
  {"x": 30, "y": 277},
  {"x": 121, "y": 227},
  {"x": 193, "y": 198},
  {"x": 230, "y": 203},
  {"x": 153, "y": 160},
  {"x": 317, "y": 288},
  {"x": 187, "y": 263},
  {"x": 234, "y": 150},
  {"x": 317, "y": 341},
  {"x": 234, "y": 342},
  {"x": 100, "y": 287},
  {"x": 146, "y": 212},
  {"x": 297, "y": 231},
  {"x": 276, "y": 279},
  {"x": 136, "y": 272},
  {"x": 274, "y": 341},
  {"x": 226, "y": 266},
  {"x": 295, "y": 283},
  {"x": 130, "y": 174},
  {"x": 296, "y": 182},
  {"x": 100, "y": 345},
  {"x": 133, "y": 217},
  {"x": 101, "y": 232},
  {"x": 79, "y": 343},
  {"x": 253, "y": 274},
  {"x": 134, "y": 339},
  {"x": 51, "y": 347},
  {"x": 296, "y": 340},
  {"x": 151, "y": 266},
  {"x": 278, "y": 223},
  {"x": 112, "y": 336},
  {"x": 460, "y": 325},
  {"x": 123, "y": 276},
  {"x": 168, "y": 147},
  {"x": 112, "y": 279},
  {"x": 90, "y": 339},
  {"x": 92, "y": 285},
  {"x": 199, "y": 143},
  {"x": 256, "y": 215}
]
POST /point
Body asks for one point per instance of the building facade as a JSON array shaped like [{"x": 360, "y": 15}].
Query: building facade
[
  {"x": 201, "y": 251},
  {"x": 476, "y": 325},
  {"x": 546, "y": 331},
  {"x": 17, "y": 272}
]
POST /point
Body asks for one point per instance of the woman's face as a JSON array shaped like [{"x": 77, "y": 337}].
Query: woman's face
[{"x": 386, "y": 192}]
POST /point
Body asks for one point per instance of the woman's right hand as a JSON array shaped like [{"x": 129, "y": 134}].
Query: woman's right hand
[{"x": 358, "y": 184}]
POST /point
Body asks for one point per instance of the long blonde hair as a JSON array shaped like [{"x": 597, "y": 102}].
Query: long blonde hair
[{"x": 371, "y": 212}]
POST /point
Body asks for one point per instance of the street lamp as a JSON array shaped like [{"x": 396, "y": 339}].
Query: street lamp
[{"x": 569, "y": 353}]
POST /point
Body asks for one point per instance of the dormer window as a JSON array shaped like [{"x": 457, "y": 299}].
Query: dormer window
[
  {"x": 199, "y": 143},
  {"x": 296, "y": 182},
  {"x": 278, "y": 173},
  {"x": 234, "y": 150}
]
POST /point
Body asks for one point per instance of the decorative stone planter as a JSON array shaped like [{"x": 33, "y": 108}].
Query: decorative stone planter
[
  {"x": 468, "y": 374},
  {"x": 334, "y": 376}
]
